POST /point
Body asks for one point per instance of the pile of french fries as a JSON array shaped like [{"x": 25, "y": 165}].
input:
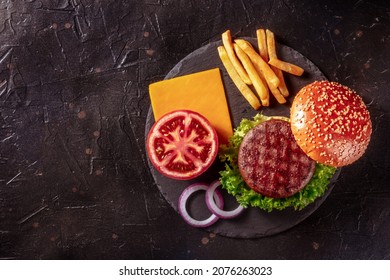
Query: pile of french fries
[{"x": 262, "y": 70}]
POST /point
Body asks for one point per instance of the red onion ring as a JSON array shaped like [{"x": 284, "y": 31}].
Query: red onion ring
[
  {"x": 216, "y": 209},
  {"x": 183, "y": 203}
]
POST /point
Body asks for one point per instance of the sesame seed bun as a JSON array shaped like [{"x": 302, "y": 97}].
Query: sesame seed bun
[{"x": 330, "y": 123}]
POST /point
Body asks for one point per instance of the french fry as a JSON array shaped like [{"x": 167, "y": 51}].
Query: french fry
[
  {"x": 278, "y": 95},
  {"x": 228, "y": 44},
  {"x": 286, "y": 67},
  {"x": 258, "y": 84},
  {"x": 271, "y": 48},
  {"x": 282, "y": 86},
  {"x": 262, "y": 43},
  {"x": 242, "y": 87},
  {"x": 261, "y": 77},
  {"x": 269, "y": 75}
]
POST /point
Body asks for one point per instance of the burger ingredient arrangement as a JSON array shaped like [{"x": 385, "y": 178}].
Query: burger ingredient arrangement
[{"x": 271, "y": 163}]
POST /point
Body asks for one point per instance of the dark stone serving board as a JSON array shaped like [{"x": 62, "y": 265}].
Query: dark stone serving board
[{"x": 253, "y": 223}]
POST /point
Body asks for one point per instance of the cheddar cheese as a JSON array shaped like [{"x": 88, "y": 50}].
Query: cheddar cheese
[{"x": 202, "y": 92}]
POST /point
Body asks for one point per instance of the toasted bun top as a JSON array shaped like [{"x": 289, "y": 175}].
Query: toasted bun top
[{"x": 330, "y": 123}]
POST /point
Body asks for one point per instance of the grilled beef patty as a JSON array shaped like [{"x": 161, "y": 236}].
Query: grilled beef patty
[{"x": 271, "y": 162}]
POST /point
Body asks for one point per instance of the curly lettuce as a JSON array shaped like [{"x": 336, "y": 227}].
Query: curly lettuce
[{"x": 232, "y": 181}]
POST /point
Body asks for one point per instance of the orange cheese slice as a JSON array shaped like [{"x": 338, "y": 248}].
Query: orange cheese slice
[{"x": 201, "y": 92}]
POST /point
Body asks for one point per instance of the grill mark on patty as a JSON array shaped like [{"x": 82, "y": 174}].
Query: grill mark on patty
[{"x": 271, "y": 162}]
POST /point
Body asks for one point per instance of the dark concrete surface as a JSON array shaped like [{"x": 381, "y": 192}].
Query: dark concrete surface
[{"x": 74, "y": 76}]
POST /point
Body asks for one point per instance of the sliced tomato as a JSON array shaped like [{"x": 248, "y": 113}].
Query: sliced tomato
[{"x": 182, "y": 144}]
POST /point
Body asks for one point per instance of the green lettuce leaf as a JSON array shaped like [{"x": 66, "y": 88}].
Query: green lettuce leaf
[{"x": 232, "y": 181}]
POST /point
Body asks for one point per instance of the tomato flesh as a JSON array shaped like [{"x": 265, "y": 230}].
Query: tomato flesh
[{"x": 182, "y": 144}]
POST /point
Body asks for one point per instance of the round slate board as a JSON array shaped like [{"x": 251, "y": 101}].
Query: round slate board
[{"x": 253, "y": 222}]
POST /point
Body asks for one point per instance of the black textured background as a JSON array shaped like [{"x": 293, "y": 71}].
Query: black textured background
[{"x": 74, "y": 76}]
